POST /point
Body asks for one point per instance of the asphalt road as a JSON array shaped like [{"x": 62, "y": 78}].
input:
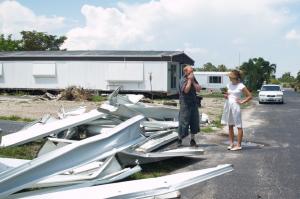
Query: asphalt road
[
  {"x": 11, "y": 126},
  {"x": 271, "y": 171}
]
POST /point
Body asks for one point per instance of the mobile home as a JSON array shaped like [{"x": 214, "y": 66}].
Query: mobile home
[
  {"x": 134, "y": 71},
  {"x": 212, "y": 80}
]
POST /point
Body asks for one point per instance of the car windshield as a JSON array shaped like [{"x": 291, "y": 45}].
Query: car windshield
[{"x": 270, "y": 88}]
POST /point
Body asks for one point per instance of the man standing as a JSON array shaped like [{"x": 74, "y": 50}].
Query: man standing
[{"x": 188, "y": 113}]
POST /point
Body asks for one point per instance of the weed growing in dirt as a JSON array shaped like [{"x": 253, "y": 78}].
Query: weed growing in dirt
[
  {"x": 16, "y": 118},
  {"x": 26, "y": 151}
]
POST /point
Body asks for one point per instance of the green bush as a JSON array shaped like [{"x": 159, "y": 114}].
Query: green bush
[{"x": 274, "y": 81}]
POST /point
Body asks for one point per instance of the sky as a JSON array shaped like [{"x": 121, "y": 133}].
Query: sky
[{"x": 227, "y": 32}]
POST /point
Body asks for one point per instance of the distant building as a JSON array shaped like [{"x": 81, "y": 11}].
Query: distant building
[
  {"x": 135, "y": 71},
  {"x": 212, "y": 80}
]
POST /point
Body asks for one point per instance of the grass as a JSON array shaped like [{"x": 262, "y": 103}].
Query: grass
[
  {"x": 217, "y": 123},
  {"x": 162, "y": 168},
  {"x": 16, "y": 118},
  {"x": 26, "y": 151},
  {"x": 18, "y": 93},
  {"x": 212, "y": 95},
  {"x": 98, "y": 98},
  {"x": 207, "y": 130}
]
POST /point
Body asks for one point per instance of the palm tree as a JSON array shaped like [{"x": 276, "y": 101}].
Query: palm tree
[{"x": 257, "y": 70}]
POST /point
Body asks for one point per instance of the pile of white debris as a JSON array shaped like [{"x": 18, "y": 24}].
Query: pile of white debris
[{"x": 87, "y": 152}]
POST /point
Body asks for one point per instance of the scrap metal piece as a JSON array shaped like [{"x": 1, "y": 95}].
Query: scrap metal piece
[
  {"x": 120, "y": 111},
  {"x": 143, "y": 151},
  {"x": 78, "y": 111},
  {"x": 157, "y": 112},
  {"x": 130, "y": 157},
  {"x": 115, "y": 98},
  {"x": 41, "y": 130},
  {"x": 94, "y": 173},
  {"x": 136, "y": 188},
  {"x": 9, "y": 163},
  {"x": 94, "y": 170},
  {"x": 72, "y": 155},
  {"x": 153, "y": 143},
  {"x": 52, "y": 144},
  {"x": 158, "y": 125}
]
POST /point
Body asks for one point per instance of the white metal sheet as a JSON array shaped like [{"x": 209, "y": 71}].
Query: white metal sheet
[{"x": 138, "y": 188}]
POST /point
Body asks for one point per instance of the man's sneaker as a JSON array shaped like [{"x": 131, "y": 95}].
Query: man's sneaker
[
  {"x": 179, "y": 142},
  {"x": 193, "y": 142}
]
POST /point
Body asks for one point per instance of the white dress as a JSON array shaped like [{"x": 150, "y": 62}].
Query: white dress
[{"x": 232, "y": 111}]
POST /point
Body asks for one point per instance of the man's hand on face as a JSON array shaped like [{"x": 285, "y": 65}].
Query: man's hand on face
[{"x": 191, "y": 76}]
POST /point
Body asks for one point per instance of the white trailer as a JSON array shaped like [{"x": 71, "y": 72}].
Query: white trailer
[
  {"x": 212, "y": 80},
  {"x": 134, "y": 71}
]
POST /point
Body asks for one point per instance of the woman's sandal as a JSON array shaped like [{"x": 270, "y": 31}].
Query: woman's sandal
[
  {"x": 236, "y": 148},
  {"x": 230, "y": 147}
]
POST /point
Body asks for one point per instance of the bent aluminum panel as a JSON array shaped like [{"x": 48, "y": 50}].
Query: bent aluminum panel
[
  {"x": 41, "y": 130},
  {"x": 159, "y": 125},
  {"x": 157, "y": 112},
  {"x": 105, "y": 180},
  {"x": 50, "y": 146},
  {"x": 139, "y": 188},
  {"x": 131, "y": 157},
  {"x": 156, "y": 142},
  {"x": 72, "y": 155},
  {"x": 8, "y": 163},
  {"x": 120, "y": 111},
  {"x": 79, "y": 175}
]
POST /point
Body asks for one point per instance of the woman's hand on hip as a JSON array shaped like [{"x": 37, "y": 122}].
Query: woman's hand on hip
[{"x": 239, "y": 101}]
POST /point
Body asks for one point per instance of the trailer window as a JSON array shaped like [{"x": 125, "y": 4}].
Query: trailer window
[{"x": 215, "y": 79}]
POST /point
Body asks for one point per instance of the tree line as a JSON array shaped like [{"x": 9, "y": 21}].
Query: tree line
[{"x": 32, "y": 41}]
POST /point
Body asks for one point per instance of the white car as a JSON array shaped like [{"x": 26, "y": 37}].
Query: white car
[{"x": 270, "y": 93}]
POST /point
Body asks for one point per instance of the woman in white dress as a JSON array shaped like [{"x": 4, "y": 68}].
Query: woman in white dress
[{"x": 232, "y": 112}]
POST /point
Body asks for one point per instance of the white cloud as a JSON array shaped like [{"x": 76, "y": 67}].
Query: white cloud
[
  {"x": 293, "y": 35},
  {"x": 214, "y": 31},
  {"x": 15, "y": 17},
  {"x": 169, "y": 23}
]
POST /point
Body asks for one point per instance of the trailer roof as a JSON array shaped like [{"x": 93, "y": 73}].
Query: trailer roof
[{"x": 98, "y": 55}]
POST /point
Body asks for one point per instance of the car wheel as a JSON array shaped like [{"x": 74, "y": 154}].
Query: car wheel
[{"x": 259, "y": 102}]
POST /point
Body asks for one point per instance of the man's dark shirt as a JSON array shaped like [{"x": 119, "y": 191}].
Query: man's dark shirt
[{"x": 191, "y": 96}]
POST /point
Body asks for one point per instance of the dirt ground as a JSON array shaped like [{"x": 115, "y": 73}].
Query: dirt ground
[{"x": 33, "y": 108}]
